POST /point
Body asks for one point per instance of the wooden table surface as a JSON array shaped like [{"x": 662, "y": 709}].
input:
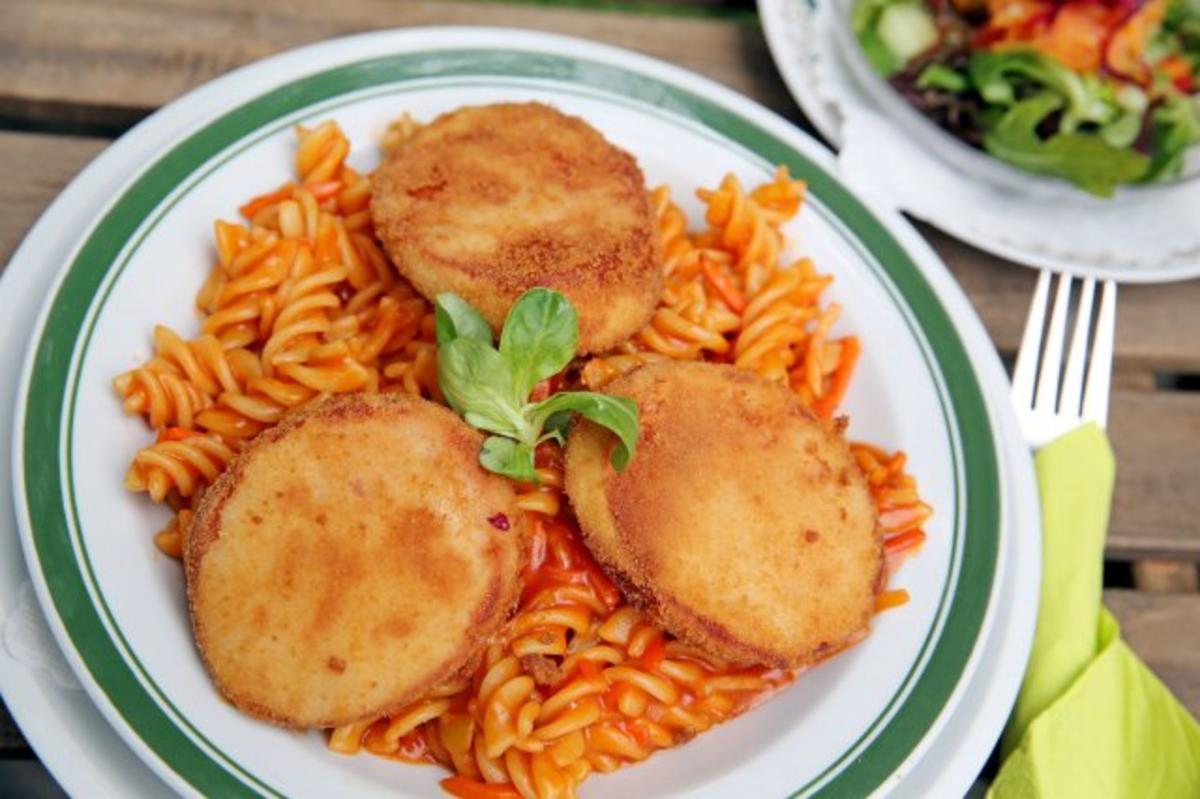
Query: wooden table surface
[{"x": 76, "y": 74}]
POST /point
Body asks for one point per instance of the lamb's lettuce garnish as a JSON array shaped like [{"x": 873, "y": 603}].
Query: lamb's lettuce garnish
[
  {"x": 454, "y": 317},
  {"x": 1085, "y": 160},
  {"x": 490, "y": 388}
]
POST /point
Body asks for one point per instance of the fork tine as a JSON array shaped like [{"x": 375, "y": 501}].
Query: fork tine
[
  {"x": 1095, "y": 395},
  {"x": 1025, "y": 370},
  {"x": 1048, "y": 373},
  {"x": 1072, "y": 387}
]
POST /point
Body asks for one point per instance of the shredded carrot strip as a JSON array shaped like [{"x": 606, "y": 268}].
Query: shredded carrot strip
[
  {"x": 812, "y": 359},
  {"x": 654, "y": 654},
  {"x": 909, "y": 539},
  {"x": 325, "y": 190},
  {"x": 603, "y": 586},
  {"x": 899, "y": 520},
  {"x": 467, "y": 788},
  {"x": 263, "y": 200},
  {"x": 724, "y": 286},
  {"x": 841, "y": 378},
  {"x": 890, "y": 599},
  {"x": 588, "y": 669},
  {"x": 176, "y": 434},
  {"x": 325, "y": 249},
  {"x": 639, "y": 733}
]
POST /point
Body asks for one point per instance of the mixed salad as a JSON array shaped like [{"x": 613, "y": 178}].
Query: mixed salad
[{"x": 1096, "y": 92}]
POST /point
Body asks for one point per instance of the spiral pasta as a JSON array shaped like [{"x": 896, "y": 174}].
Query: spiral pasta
[
  {"x": 180, "y": 461},
  {"x": 729, "y": 299},
  {"x": 302, "y": 303}
]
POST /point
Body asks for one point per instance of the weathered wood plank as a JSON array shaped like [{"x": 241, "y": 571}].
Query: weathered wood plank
[
  {"x": 1157, "y": 328},
  {"x": 38, "y": 167},
  {"x": 139, "y": 55},
  {"x": 1156, "y": 507},
  {"x": 1162, "y": 629}
]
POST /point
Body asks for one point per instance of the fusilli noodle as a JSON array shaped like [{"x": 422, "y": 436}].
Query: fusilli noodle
[{"x": 301, "y": 303}]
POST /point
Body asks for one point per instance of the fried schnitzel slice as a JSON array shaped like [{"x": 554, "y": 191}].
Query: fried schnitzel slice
[
  {"x": 490, "y": 201},
  {"x": 743, "y": 526},
  {"x": 350, "y": 559}
]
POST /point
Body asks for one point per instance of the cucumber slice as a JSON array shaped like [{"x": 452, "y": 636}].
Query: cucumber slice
[{"x": 906, "y": 29}]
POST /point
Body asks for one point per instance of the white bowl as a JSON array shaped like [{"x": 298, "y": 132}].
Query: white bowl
[{"x": 976, "y": 163}]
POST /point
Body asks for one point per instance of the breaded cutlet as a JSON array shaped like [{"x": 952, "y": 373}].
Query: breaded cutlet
[
  {"x": 350, "y": 559},
  {"x": 743, "y": 525},
  {"x": 489, "y": 201}
]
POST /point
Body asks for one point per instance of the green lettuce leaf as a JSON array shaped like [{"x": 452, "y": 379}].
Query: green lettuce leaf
[{"x": 1083, "y": 159}]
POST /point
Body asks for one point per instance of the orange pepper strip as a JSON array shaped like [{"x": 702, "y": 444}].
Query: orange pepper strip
[{"x": 723, "y": 286}]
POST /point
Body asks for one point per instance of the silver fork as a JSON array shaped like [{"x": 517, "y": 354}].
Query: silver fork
[{"x": 1049, "y": 399}]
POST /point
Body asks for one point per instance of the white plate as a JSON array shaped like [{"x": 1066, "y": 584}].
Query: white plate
[
  {"x": 116, "y": 606},
  {"x": 72, "y": 739},
  {"x": 88, "y": 758},
  {"x": 1146, "y": 235}
]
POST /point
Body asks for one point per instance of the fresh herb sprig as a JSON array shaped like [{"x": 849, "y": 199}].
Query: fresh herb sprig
[{"x": 490, "y": 387}]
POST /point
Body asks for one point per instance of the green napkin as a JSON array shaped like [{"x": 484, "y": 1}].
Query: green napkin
[{"x": 1091, "y": 720}]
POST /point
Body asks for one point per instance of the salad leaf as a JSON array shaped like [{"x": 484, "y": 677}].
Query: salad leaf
[
  {"x": 1085, "y": 160},
  {"x": 940, "y": 76},
  {"x": 618, "y": 414},
  {"x": 997, "y": 76},
  {"x": 1176, "y": 128},
  {"x": 864, "y": 14},
  {"x": 1123, "y": 131},
  {"x": 1179, "y": 34},
  {"x": 539, "y": 337},
  {"x": 454, "y": 317},
  {"x": 490, "y": 388},
  {"x": 878, "y": 55}
]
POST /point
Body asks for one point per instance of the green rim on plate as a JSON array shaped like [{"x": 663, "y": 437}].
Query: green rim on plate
[{"x": 62, "y": 558}]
